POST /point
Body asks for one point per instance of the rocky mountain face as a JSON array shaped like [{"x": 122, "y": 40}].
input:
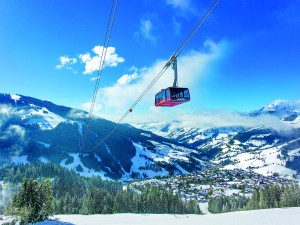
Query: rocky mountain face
[{"x": 34, "y": 130}]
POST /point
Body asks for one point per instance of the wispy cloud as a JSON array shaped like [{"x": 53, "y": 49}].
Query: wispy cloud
[
  {"x": 176, "y": 26},
  {"x": 180, "y": 4},
  {"x": 95, "y": 78},
  {"x": 222, "y": 118},
  {"x": 13, "y": 131},
  {"x": 290, "y": 14},
  {"x": 77, "y": 114},
  {"x": 7, "y": 111},
  {"x": 183, "y": 8},
  {"x": 205, "y": 119},
  {"x": 15, "y": 134},
  {"x": 146, "y": 30},
  {"x": 91, "y": 60}
]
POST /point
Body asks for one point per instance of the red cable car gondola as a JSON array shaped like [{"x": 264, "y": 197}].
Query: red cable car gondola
[
  {"x": 175, "y": 95},
  {"x": 172, "y": 96}
]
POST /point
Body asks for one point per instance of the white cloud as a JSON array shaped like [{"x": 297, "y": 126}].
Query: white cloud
[
  {"x": 222, "y": 118},
  {"x": 14, "y": 130},
  {"x": 66, "y": 63},
  {"x": 127, "y": 78},
  {"x": 94, "y": 78},
  {"x": 204, "y": 119},
  {"x": 211, "y": 119},
  {"x": 87, "y": 107},
  {"x": 75, "y": 113},
  {"x": 14, "y": 133},
  {"x": 146, "y": 30},
  {"x": 191, "y": 66},
  {"x": 92, "y": 63},
  {"x": 66, "y": 60},
  {"x": 5, "y": 109},
  {"x": 85, "y": 57}
]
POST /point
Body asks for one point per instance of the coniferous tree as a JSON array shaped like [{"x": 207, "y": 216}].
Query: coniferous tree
[
  {"x": 254, "y": 201},
  {"x": 34, "y": 202}
]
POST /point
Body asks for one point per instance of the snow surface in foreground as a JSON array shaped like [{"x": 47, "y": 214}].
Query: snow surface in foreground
[{"x": 290, "y": 216}]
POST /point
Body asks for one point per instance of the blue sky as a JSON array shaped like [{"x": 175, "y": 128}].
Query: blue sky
[{"x": 245, "y": 56}]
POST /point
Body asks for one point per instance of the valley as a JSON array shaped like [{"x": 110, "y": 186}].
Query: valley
[{"x": 191, "y": 163}]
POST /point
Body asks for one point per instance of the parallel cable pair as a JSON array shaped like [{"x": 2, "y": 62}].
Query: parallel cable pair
[{"x": 109, "y": 28}]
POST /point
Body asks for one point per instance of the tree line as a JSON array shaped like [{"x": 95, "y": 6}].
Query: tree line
[
  {"x": 97, "y": 201},
  {"x": 271, "y": 196},
  {"x": 69, "y": 193}
]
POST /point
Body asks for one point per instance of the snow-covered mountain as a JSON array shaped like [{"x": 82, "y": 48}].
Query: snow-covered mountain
[
  {"x": 281, "y": 106},
  {"x": 285, "y": 110},
  {"x": 33, "y": 130},
  {"x": 266, "y": 149},
  {"x": 262, "y": 150}
]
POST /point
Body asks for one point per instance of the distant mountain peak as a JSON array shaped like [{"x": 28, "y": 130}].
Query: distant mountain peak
[{"x": 281, "y": 105}]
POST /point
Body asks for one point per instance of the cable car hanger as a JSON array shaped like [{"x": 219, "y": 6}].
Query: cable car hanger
[{"x": 172, "y": 96}]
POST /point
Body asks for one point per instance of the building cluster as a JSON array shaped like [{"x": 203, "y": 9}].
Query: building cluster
[{"x": 202, "y": 185}]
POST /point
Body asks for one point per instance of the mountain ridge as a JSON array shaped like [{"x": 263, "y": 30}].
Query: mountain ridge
[{"x": 36, "y": 130}]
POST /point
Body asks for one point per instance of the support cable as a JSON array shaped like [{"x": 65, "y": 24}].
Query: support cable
[{"x": 109, "y": 28}]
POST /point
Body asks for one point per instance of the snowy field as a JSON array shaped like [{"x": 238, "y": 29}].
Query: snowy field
[{"x": 286, "y": 216}]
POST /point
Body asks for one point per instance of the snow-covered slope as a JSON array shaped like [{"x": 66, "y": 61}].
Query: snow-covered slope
[{"x": 288, "y": 216}]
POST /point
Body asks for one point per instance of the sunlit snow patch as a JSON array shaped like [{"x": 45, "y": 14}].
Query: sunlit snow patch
[
  {"x": 15, "y": 97},
  {"x": 44, "y": 118},
  {"x": 273, "y": 168},
  {"x": 142, "y": 164},
  {"x": 86, "y": 171}
]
